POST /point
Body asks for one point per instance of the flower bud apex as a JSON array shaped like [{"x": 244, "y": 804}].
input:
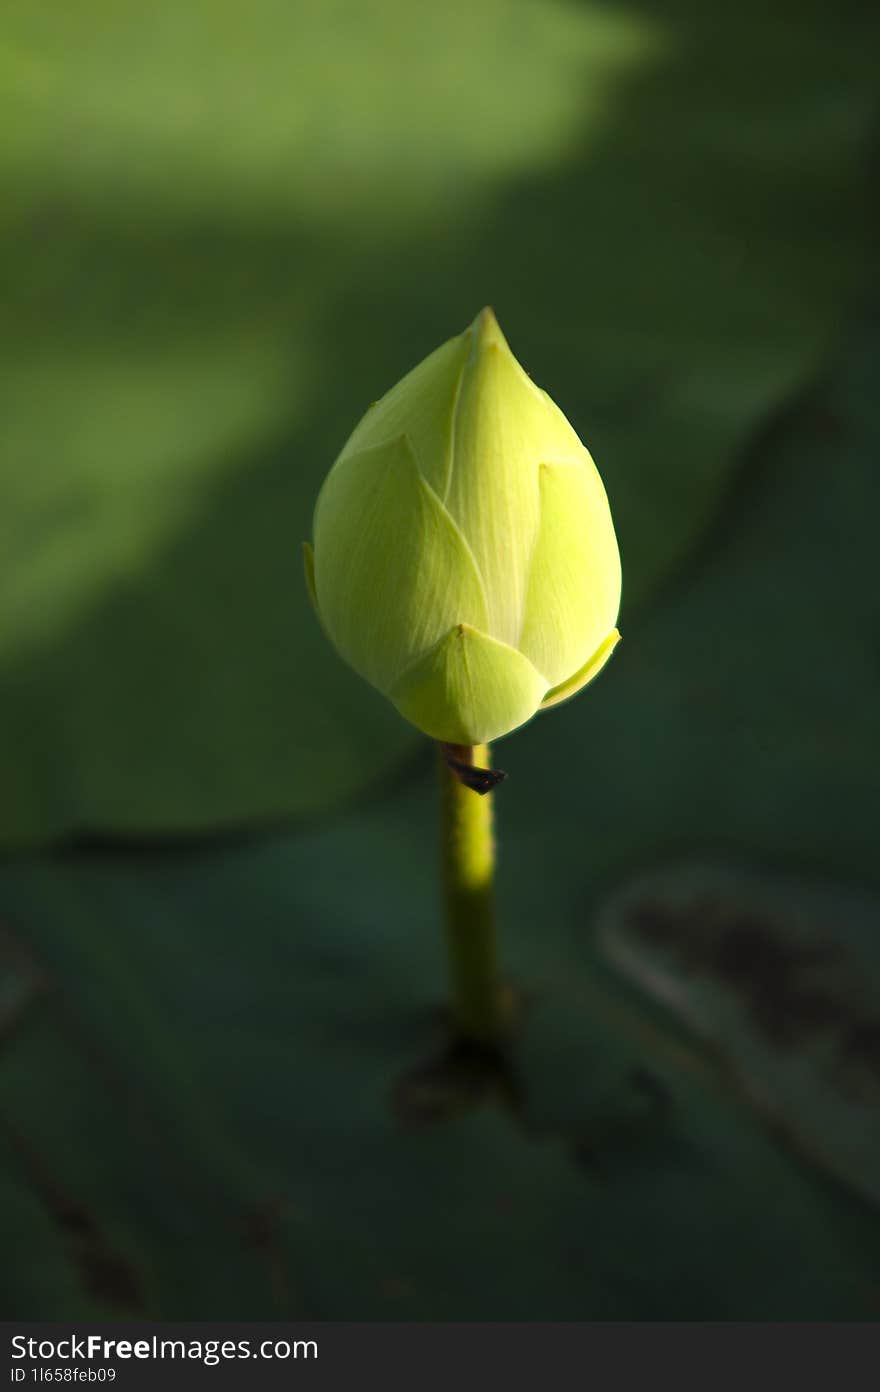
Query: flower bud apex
[{"x": 464, "y": 559}]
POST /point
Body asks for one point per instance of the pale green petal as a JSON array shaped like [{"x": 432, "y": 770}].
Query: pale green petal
[
  {"x": 573, "y": 593},
  {"x": 591, "y": 668},
  {"x": 392, "y": 571},
  {"x": 422, "y": 406},
  {"x": 470, "y": 689},
  {"x": 504, "y": 427}
]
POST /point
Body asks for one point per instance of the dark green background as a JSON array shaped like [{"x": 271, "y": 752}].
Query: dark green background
[{"x": 225, "y": 230}]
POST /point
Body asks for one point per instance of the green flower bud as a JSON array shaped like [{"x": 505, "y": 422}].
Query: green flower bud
[{"x": 464, "y": 559}]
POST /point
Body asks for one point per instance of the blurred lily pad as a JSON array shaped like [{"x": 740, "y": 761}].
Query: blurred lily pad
[
  {"x": 222, "y": 239},
  {"x": 211, "y": 1084},
  {"x": 782, "y": 979}
]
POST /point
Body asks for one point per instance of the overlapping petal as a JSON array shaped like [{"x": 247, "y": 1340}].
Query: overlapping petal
[
  {"x": 470, "y": 689},
  {"x": 584, "y": 675},
  {"x": 421, "y": 406},
  {"x": 573, "y": 589},
  {"x": 392, "y": 572},
  {"x": 504, "y": 427}
]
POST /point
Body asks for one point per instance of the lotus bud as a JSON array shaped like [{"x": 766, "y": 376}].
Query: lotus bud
[{"x": 464, "y": 557}]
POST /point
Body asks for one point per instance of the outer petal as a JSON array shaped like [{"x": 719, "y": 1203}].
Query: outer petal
[
  {"x": 504, "y": 427},
  {"x": 392, "y": 572},
  {"x": 573, "y": 593},
  {"x": 591, "y": 668},
  {"x": 470, "y": 689},
  {"x": 422, "y": 406}
]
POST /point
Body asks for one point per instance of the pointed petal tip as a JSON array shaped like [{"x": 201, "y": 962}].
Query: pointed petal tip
[{"x": 487, "y": 331}]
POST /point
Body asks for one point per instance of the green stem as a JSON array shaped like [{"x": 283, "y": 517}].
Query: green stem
[{"x": 480, "y": 1004}]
